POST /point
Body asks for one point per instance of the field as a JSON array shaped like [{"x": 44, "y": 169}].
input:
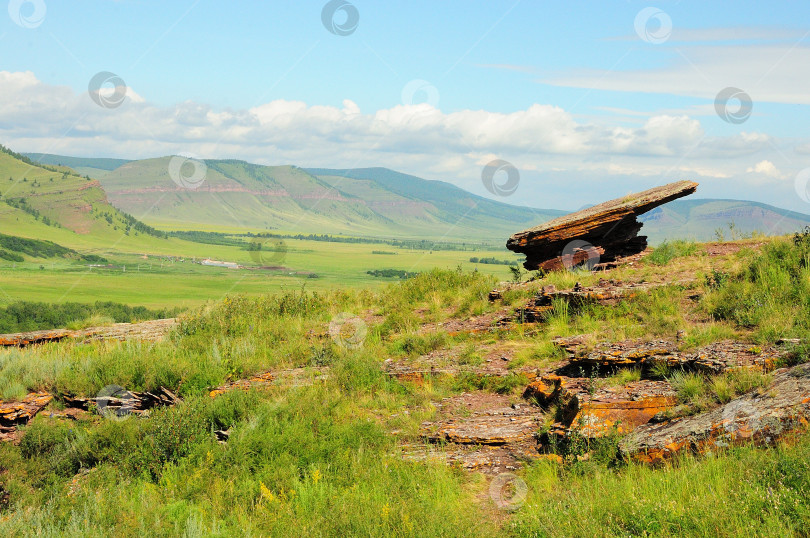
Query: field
[{"x": 161, "y": 280}]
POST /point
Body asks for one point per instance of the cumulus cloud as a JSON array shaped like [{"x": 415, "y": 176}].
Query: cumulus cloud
[
  {"x": 543, "y": 141},
  {"x": 289, "y": 129},
  {"x": 766, "y": 168}
]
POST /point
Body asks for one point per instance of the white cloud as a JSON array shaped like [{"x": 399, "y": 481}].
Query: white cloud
[
  {"x": 772, "y": 72},
  {"x": 766, "y": 168},
  {"x": 543, "y": 141}
]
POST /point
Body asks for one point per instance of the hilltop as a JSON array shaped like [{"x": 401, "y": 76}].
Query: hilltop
[
  {"x": 240, "y": 195},
  {"x": 376, "y": 202}
]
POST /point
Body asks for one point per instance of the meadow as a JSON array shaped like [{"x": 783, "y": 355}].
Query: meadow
[
  {"x": 162, "y": 280},
  {"x": 326, "y": 455}
]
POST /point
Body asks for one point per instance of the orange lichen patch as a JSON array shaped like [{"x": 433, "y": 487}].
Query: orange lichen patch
[
  {"x": 758, "y": 417},
  {"x": 544, "y": 390},
  {"x": 596, "y": 412},
  {"x": 597, "y": 418},
  {"x": 244, "y": 384},
  {"x": 15, "y": 414},
  {"x": 554, "y": 458}
]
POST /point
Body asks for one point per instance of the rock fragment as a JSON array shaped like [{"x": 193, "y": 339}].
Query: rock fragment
[{"x": 19, "y": 413}]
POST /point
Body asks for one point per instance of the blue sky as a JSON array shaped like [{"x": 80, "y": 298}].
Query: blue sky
[{"x": 586, "y": 98}]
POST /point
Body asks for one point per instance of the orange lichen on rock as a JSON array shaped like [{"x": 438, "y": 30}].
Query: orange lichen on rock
[
  {"x": 544, "y": 390},
  {"x": 761, "y": 417},
  {"x": 599, "y": 417},
  {"x": 19, "y": 413},
  {"x": 264, "y": 379}
]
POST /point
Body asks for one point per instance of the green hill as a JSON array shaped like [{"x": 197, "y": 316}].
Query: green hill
[
  {"x": 707, "y": 219},
  {"x": 54, "y": 203},
  {"x": 370, "y": 202},
  {"x": 237, "y": 196},
  {"x": 86, "y": 166}
]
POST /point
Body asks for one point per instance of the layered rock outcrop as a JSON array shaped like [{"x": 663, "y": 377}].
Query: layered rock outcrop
[
  {"x": 762, "y": 416},
  {"x": 597, "y": 235}
]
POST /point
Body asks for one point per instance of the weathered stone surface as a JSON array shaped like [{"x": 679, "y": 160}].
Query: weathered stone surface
[
  {"x": 762, "y": 417},
  {"x": 711, "y": 359},
  {"x": 19, "y": 413},
  {"x": 146, "y": 330},
  {"x": 610, "y": 228},
  {"x": 34, "y": 337},
  {"x": 544, "y": 390},
  {"x": 606, "y": 414},
  {"x": 595, "y": 412},
  {"x": 480, "y": 431},
  {"x": 497, "y": 427}
]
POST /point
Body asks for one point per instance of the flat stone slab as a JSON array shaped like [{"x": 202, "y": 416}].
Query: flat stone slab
[
  {"x": 608, "y": 230},
  {"x": 146, "y": 330},
  {"x": 497, "y": 427},
  {"x": 763, "y": 417},
  {"x": 711, "y": 359}
]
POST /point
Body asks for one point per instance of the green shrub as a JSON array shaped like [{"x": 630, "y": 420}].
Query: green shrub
[{"x": 667, "y": 251}]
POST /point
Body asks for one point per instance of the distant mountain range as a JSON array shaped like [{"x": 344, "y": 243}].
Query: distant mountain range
[{"x": 237, "y": 195}]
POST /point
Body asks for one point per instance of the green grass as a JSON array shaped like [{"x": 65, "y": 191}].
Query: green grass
[
  {"x": 322, "y": 459},
  {"x": 27, "y": 316},
  {"x": 667, "y": 251},
  {"x": 745, "y": 492},
  {"x": 770, "y": 295}
]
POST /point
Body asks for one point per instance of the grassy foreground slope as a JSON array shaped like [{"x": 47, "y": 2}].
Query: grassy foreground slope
[
  {"x": 86, "y": 166},
  {"x": 327, "y": 457}
]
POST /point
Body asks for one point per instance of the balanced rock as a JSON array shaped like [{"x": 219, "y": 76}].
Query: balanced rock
[{"x": 600, "y": 234}]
